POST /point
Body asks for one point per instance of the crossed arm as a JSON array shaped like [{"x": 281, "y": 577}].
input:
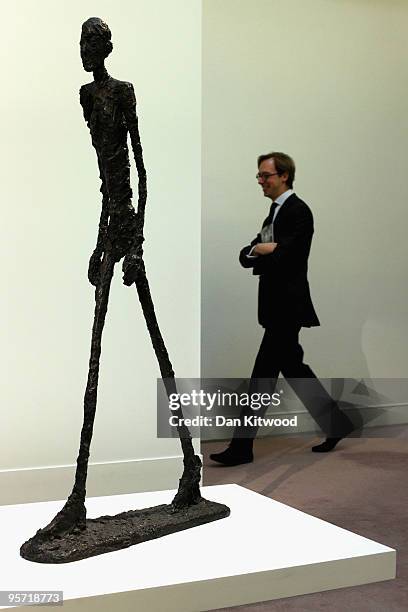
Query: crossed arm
[
  {"x": 264, "y": 248},
  {"x": 271, "y": 256},
  {"x": 250, "y": 255}
]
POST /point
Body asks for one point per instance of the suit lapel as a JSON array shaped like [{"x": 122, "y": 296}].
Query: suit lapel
[{"x": 282, "y": 214}]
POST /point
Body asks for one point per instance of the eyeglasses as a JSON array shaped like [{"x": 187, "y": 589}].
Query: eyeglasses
[{"x": 265, "y": 175}]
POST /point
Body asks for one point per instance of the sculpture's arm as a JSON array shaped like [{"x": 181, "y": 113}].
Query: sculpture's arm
[
  {"x": 133, "y": 261},
  {"x": 103, "y": 220},
  {"x": 86, "y": 101},
  {"x": 132, "y": 122},
  {"x": 96, "y": 257}
]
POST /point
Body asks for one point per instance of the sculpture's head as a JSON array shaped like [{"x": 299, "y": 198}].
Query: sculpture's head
[{"x": 95, "y": 43}]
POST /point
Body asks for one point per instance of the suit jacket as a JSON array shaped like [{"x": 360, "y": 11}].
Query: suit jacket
[{"x": 284, "y": 294}]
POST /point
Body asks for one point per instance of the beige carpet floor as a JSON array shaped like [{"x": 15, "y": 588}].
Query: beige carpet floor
[{"x": 361, "y": 486}]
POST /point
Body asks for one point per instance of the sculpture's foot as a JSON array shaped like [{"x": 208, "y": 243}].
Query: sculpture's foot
[
  {"x": 109, "y": 533},
  {"x": 188, "y": 492},
  {"x": 70, "y": 520},
  {"x": 71, "y": 517}
]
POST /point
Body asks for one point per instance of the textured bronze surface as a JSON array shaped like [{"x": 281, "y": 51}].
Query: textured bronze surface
[
  {"x": 109, "y": 533},
  {"x": 109, "y": 108}
]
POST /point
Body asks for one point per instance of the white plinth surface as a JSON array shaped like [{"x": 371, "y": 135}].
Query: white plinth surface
[{"x": 264, "y": 550}]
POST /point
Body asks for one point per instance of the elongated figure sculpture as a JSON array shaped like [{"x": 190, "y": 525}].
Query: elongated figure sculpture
[{"x": 109, "y": 108}]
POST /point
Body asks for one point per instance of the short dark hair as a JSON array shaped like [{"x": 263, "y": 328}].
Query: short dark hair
[{"x": 283, "y": 163}]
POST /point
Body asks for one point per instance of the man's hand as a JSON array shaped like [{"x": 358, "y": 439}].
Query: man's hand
[
  {"x": 94, "y": 268},
  {"x": 264, "y": 248}
]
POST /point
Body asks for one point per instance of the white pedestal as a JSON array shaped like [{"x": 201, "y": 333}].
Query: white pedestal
[{"x": 264, "y": 550}]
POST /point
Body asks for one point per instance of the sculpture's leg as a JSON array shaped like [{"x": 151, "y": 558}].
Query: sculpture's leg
[
  {"x": 189, "y": 485},
  {"x": 73, "y": 514}
]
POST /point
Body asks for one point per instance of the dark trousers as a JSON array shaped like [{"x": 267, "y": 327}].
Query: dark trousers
[{"x": 280, "y": 352}]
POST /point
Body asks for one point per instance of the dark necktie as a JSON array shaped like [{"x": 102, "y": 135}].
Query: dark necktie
[{"x": 269, "y": 218}]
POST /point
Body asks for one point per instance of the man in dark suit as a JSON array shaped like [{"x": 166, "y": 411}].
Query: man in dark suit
[{"x": 279, "y": 256}]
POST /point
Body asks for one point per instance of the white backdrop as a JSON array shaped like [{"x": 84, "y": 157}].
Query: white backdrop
[
  {"x": 50, "y": 212},
  {"x": 326, "y": 82}
]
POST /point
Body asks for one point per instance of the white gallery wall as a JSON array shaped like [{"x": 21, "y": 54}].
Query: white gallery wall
[
  {"x": 50, "y": 207},
  {"x": 327, "y": 82}
]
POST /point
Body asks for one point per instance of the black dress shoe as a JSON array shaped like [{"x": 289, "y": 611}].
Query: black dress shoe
[
  {"x": 233, "y": 456},
  {"x": 325, "y": 447}
]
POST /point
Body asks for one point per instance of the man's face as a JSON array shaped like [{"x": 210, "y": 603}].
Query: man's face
[
  {"x": 272, "y": 184},
  {"x": 93, "y": 50}
]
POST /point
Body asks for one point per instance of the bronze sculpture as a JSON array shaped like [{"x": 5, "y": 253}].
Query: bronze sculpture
[{"x": 109, "y": 108}]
